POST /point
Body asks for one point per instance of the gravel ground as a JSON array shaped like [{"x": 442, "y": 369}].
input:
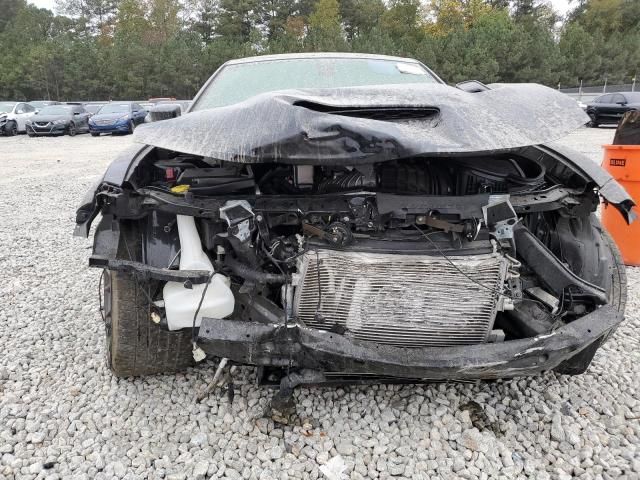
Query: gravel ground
[{"x": 62, "y": 414}]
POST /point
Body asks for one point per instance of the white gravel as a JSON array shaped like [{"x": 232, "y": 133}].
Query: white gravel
[{"x": 62, "y": 414}]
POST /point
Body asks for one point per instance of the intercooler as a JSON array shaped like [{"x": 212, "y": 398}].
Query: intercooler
[{"x": 402, "y": 300}]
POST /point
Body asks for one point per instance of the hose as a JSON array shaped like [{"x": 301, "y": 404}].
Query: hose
[{"x": 248, "y": 273}]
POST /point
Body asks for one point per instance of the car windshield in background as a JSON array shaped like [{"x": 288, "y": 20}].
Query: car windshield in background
[
  {"x": 633, "y": 97},
  {"x": 115, "y": 108},
  {"x": 92, "y": 108},
  {"x": 235, "y": 83},
  {"x": 6, "y": 107},
  {"x": 56, "y": 110},
  {"x": 42, "y": 103}
]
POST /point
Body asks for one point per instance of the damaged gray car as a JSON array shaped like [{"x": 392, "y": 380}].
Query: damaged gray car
[{"x": 352, "y": 218}]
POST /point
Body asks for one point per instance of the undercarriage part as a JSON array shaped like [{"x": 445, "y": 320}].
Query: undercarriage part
[
  {"x": 214, "y": 382},
  {"x": 146, "y": 272},
  {"x": 528, "y": 320},
  {"x": 404, "y": 300},
  {"x": 252, "y": 274},
  {"x": 554, "y": 274},
  {"x": 299, "y": 347}
]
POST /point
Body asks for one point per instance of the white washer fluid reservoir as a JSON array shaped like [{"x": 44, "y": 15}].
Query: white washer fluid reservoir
[{"x": 181, "y": 303}]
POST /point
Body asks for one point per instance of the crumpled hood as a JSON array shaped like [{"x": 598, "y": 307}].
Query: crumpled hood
[{"x": 371, "y": 123}]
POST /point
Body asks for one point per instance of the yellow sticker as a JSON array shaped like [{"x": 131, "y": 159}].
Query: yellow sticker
[{"x": 180, "y": 189}]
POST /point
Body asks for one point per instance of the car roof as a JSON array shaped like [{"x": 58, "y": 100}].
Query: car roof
[{"x": 292, "y": 56}]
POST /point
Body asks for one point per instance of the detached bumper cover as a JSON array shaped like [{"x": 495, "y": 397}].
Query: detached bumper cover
[{"x": 255, "y": 343}]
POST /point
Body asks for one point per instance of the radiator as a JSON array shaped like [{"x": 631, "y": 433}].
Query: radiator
[{"x": 402, "y": 300}]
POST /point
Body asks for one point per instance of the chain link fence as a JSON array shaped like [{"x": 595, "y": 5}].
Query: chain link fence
[{"x": 586, "y": 93}]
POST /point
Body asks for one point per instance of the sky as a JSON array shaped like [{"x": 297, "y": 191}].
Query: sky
[{"x": 561, "y": 6}]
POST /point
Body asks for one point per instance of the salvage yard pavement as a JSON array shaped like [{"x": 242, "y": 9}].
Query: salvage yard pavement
[{"x": 63, "y": 415}]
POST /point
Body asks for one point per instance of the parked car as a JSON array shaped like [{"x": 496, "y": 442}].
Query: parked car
[
  {"x": 38, "y": 104},
  {"x": 166, "y": 109},
  {"x": 13, "y": 117},
  {"x": 117, "y": 117},
  {"x": 350, "y": 217},
  {"x": 609, "y": 108},
  {"x": 59, "y": 120}
]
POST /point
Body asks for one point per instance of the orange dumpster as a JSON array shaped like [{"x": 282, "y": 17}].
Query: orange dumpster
[{"x": 623, "y": 163}]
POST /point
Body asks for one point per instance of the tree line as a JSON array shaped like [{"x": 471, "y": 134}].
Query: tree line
[{"x": 134, "y": 49}]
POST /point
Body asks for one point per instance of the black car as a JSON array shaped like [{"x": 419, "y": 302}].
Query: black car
[
  {"x": 609, "y": 108},
  {"x": 370, "y": 223},
  {"x": 58, "y": 120}
]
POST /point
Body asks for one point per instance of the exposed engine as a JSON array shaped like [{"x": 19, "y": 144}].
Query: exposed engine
[{"x": 411, "y": 253}]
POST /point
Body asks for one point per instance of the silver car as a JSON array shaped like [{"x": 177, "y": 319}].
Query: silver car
[{"x": 13, "y": 117}]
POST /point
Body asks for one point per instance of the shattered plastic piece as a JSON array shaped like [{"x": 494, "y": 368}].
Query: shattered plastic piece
[
  {"x": 198, "y": 354},
  {"x": 155, "y": 317},
  {"x": 335, "y": 468}
]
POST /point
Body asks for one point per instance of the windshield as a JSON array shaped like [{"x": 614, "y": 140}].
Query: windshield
[
  {"x": 235, "y": 83},
  {"x": 92, "y": 108},
  {"x": 42, "y": 103},
  {"x": 55, "y": 110},
  {"x": 6, "y": 107},
  {"x": 115, "y": 108}
]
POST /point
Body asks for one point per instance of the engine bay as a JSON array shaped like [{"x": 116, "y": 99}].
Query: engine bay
[{"x": 332, "y": 246}]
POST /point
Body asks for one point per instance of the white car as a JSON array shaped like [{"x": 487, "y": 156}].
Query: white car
[{"x": 13, "y": 117}]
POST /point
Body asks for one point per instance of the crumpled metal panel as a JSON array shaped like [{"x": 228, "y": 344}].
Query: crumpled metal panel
[
  {"x": 275, "y": 127},
  {"x": 404, "y": 300}
]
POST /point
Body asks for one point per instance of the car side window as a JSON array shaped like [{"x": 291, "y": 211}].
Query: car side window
[
  {"x": 137, "y": 107},
  {"x": 29, "y": 108},
  {"x": 617, "y": 98},
  {"x": 20, "y": 108},
  {"x": 605, "y": 99}
]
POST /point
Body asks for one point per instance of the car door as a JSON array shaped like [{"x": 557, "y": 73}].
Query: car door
[
  {"x": 604, "y": 108},
  {"x": 81, "y": 118},
  {"x": 138, "y": 114},
  {"x": 22, "y": 112},
  {"x": 618, "y": 106}
]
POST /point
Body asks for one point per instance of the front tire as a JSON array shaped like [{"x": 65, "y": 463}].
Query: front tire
[
  {"x": 135, "y": 344},
  {"x": 11, "y": 129},
  {"x": 72, "y": 130},
  {"x": 95, "y": 134},
  {"x": 132, "y": 126},
  {"x": 594, "y": 120}
]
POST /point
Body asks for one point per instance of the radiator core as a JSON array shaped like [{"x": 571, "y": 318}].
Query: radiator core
[{"x": 402, "y": 300}]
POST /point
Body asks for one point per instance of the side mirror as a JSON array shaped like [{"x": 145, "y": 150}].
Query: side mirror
[{"x": 76, "y": 113}]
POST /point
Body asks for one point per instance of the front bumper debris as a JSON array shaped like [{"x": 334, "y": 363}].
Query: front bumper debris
[
  {"x": 147, "y": 272},
  {"x": 296, "y": 346}
]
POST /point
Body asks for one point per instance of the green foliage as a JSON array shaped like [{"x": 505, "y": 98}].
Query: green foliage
[
  {"x": 325, "y": 30},
  {"x": 102, "y": 49}
]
